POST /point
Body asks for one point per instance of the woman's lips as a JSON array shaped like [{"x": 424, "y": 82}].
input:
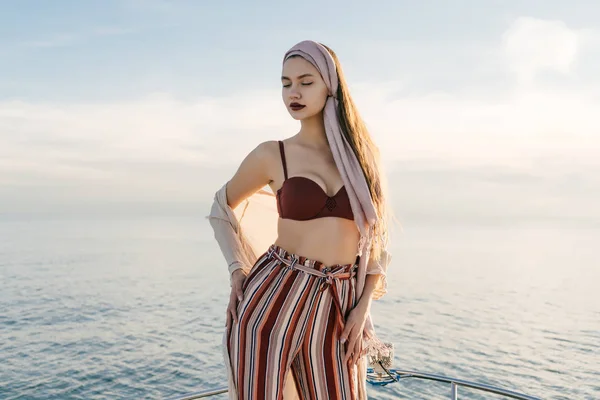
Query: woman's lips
[{"x": 296, "y": 107}]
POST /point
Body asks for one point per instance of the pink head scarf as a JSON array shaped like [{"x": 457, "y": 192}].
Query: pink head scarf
[{"x": 352, "y": 174}]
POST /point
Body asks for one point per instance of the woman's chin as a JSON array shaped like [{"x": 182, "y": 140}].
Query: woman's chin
[{"x": 300, "y": 115}]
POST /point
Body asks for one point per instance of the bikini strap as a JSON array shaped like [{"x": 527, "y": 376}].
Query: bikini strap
[{"x": 283, "y": 159}]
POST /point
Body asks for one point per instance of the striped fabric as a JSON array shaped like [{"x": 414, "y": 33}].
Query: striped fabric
[{"x": 291, "y": 316}]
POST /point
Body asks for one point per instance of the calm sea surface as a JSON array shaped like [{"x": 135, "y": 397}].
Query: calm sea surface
[{"x": 132, "y": 308}]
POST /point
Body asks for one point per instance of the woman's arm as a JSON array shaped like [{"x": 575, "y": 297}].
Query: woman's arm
[
  {"x": 253, "y": 173},
  {"x": 366, "y": 298},
  {"x": 359, "y": 320}
]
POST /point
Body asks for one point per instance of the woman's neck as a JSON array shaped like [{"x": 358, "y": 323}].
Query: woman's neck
[{"x": 312, "y": 132}]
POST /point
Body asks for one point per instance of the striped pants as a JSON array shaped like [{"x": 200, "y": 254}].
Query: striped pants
[{"x": 291, "y": 316}]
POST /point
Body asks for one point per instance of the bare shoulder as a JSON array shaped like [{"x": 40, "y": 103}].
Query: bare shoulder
[
  {"x": 254, "y": 172},
  {"x": 268, "y": 150},
  {"x": 269, "y": 155}
]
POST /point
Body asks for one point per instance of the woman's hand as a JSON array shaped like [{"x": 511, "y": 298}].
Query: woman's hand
[
  {"x": 237, "y": 281},
  {"x": 353, "y": 332}
]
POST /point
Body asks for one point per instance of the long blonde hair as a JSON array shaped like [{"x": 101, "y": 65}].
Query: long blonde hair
[{"x": 356, "y": 133}]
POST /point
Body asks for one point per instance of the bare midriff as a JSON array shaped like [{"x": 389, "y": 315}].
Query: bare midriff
[{"x": 330, "y": 240}]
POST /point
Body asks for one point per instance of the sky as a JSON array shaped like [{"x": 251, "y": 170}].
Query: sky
[{"x": 483, "y": 110}]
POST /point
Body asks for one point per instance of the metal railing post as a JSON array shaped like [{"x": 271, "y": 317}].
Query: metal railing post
[{"x": 454, "y": 391}]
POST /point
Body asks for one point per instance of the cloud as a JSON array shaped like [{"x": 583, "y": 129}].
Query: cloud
[
  {"x": 547, "y": 191},
  {"x": 533, "y": 45},
  {"x": 154, "y": 149},
  {"x": 167, "y": 150},
  {"x": 157, "y": 7},
  {"x": 66, "y": 39},
  {"x": 466, "y": 129},
  {"x": 111, "y": 31},
  {"x": 162, "y": 149},
  {"x": 54, "y": 40}
]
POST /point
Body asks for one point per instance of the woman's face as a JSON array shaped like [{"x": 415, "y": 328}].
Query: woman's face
[{"x": 302, "y": 84}]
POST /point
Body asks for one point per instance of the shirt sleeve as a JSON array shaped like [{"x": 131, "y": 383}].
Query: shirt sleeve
[
  {"x": 227, "y": 233},
  {"x": 378, "y": 266}
]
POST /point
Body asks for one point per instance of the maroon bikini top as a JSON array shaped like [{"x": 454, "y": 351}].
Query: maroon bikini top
[{"x": 302, "y": 199}]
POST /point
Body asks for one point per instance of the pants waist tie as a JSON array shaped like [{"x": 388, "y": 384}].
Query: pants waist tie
[{"x": 329, "y": 280}]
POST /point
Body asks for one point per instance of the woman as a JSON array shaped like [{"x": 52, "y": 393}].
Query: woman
[{"x": 302, "y": 305}]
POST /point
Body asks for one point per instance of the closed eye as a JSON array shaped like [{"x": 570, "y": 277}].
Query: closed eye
[{"x": 303, "y": 84}]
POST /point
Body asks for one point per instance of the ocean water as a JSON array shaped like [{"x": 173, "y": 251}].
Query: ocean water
[{"x": 133, "y": 308}]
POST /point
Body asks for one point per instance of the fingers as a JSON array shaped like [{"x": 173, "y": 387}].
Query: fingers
[
  {"x": 234, "y": 313},
  {"x": 237, "y": 285},
  {"x": 231, "y": 316},
  {"x": 357, "y": 351},
  {"x": 367, "y": 334},
  {"x": 351, "y": 343},
  {"x": 354, "y": 350},
  {"x": 345, "y": 333},
  {"x": 231, "y": 310},
  {"x": 233, "y": 306},
  {"x": 363, "y": 350},
  {"x": 237, "y": 295}
]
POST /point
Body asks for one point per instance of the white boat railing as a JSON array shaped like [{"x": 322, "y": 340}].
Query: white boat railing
[
  {"x": 382, "y": 380},
  {"x": 379, "y": 379}
]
